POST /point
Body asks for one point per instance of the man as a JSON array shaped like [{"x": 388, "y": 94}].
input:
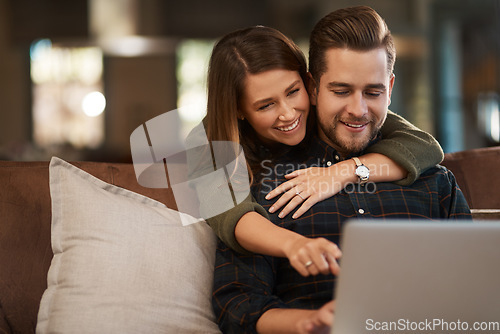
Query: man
[{"x": 351, "y": 62}]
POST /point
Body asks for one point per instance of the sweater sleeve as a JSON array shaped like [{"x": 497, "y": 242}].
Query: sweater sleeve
[
  {"x": 224, "y": 224},
  {"x": 210, "y": 188},
  {"x": 413, "y": 149}
]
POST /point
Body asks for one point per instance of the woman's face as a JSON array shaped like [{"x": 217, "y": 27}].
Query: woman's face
[{"x": 276, "y": 105}]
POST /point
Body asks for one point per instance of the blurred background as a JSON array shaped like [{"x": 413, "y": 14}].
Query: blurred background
[{"x": 77, "y": 77}]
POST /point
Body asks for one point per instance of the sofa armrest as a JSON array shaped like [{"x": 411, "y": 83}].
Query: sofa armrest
[{"x": 486, "y": 214}]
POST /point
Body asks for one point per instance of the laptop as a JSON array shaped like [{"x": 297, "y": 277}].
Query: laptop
[{"x": 419, "y": 277}]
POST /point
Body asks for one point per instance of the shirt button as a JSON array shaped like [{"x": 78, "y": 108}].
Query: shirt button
[
  {"x": 361, "y": 211},
  {"x": 328, "y": 163},
  {"x": 337, "y": 157}
]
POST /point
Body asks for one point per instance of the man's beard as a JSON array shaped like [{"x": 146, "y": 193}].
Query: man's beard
[{"x": 350, "y": 143}]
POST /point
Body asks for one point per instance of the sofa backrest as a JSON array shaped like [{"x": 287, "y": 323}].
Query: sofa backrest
[{"x": 477, "y": 175}]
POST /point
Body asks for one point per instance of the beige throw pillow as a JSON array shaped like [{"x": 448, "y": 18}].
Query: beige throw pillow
[{"x": 123, "y": 263}]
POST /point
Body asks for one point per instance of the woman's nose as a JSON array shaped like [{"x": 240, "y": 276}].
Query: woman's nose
[{"x": 287, "y": 112}]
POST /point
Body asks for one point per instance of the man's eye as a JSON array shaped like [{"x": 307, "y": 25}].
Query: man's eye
[
  {"x": 340, "y": 92},
  {"x": 373, "y": 94}
]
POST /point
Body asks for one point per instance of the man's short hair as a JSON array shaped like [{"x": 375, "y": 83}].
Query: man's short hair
[{"x": 357, "y": 28}]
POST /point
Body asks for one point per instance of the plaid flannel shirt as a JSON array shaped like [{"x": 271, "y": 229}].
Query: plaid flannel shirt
[{"x": 246, "y": 286}]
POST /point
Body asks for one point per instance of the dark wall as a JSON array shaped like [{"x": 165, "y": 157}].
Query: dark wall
[{"x": 33, "y": 19}]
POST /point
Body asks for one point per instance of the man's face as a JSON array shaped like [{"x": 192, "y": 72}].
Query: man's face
[{"x": 352, "y": 98}]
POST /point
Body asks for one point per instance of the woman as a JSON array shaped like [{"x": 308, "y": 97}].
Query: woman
[{"x": 247, "y": 105}]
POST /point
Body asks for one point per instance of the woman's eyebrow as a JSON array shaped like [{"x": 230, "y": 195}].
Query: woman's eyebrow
[
  {"x": 256, "y": 103},
  {"x": 292, "y": 85}
]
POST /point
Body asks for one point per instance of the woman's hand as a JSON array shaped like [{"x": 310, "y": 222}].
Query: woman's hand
[
  {"x": 319, "y": 322},
  {"x": 312, "y": 256},
  {"x": 310, "y": 186}
]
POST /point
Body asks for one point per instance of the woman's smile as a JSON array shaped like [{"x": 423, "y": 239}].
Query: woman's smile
[
  {"x": 290, "y": 127},
  {"x": 276, "y": 105}
]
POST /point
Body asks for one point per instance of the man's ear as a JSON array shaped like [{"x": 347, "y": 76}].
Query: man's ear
[
  {"x": 312, "y": 89},
  {"x": 391, "y": 84}
]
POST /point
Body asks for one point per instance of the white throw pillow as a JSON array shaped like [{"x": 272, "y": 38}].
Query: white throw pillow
[{"x": 123, "y": 263}]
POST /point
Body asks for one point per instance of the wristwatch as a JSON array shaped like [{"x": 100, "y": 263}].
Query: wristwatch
[{"x": 361, "y": 171}]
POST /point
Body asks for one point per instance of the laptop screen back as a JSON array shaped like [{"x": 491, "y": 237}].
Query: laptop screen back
[{"x": 421, "y": 277}]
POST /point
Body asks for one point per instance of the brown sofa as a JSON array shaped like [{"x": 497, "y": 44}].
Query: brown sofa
[{"x": 25, "y": 223}]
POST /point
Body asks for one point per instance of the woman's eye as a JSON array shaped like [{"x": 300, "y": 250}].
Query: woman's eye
[
  {"x": 266, "y": 106},
  {"x": 293, "y": 91}
]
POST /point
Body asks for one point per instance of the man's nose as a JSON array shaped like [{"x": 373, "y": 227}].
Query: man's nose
[{"x": 357, "y": 105}]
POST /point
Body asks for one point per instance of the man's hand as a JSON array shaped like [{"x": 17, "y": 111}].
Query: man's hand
[
  {"x": 318, "y": 322},
  {"x": 311, "y": 256}
]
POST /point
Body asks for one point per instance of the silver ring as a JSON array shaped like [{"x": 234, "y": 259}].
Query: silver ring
[
  {"x": 308, "y": 263},
  {"x": 298, "y": 194}
]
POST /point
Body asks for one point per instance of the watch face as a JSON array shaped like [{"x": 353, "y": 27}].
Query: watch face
[{"x": 363, "y": 172}]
